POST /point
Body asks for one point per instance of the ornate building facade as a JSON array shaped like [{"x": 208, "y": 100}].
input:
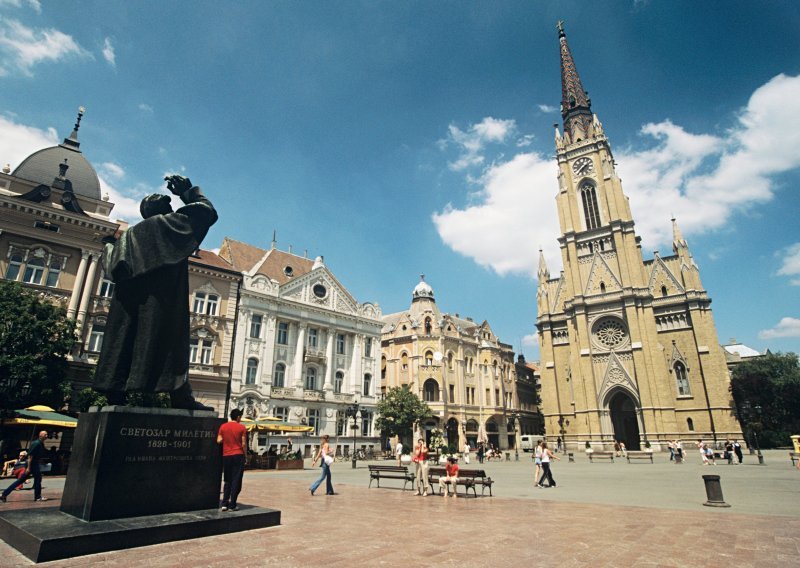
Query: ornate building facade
[
  {"x": 629, "y": 348},
  {"x": 306, "y": 350},
  {"x": 461, "y": 369}
]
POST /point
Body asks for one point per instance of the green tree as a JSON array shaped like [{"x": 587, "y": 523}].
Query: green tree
[
  {"x": 35, "y": 338},
  {"x": 399, "y": 410},
  {"x": 766, "y": 391}
]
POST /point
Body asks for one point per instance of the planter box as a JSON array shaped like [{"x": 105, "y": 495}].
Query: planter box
[{"x": 289, "y": 464}]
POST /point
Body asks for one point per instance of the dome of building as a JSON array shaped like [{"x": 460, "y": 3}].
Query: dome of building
[
  {"x": 41, "y": 167},
  {"x": 423, "y": 289}
]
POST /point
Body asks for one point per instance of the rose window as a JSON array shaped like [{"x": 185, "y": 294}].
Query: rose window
[{"x": 610, "y": 333}]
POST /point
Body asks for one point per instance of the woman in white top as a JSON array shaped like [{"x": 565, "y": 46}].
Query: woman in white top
[
  {"x": 326, "y": 457},
  {"x": 466, "y": 453},
  {"x": 537, "y": 459},
  {"x": 547, "y": 455}
]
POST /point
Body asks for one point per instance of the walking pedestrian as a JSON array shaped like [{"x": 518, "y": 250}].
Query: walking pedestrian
[
  {"x": 233, "y": 438},
  {"x": 671, "y": 447},
  {"x": 737, "y": 449},
  {"x": 421, "y": 463},
  {"x": 33, "y": 468},
  {"x": 537, "y": 460},
  {"x": 480, "y": 452},
  {"x": 466, "y": 452},
  {"x": 398, "y": 451},
  {"x": 325, "y": 456},
  {"x": 547, "y": 455}
]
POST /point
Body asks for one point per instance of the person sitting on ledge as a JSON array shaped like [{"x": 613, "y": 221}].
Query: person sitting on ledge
[{"x": 147, "y": 349}]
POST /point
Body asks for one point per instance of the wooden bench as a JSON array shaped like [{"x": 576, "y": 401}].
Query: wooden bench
[
  {"x": 467, "y": 478},
  {"x": 378, "y": 472},
  {"x": 636, "y": 455},
  {"x": 601, "y": 455},
  {"x": 794, "y": 456}
]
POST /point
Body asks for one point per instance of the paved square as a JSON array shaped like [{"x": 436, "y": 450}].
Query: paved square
[{"x": 616, "y": 514}]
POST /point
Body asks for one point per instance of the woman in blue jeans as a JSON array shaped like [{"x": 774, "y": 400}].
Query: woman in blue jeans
[{"x": 325, "y": 456}]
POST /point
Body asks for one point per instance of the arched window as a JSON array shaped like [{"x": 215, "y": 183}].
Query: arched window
[
  {"x": 428, "y": 326},
  {"x": 280, "y": 375},
  {"x": 367, "y": 384},
  {"x": 429, "y": 357},
  {"x": 690, "y": 424},
  {"x": 431, "y": 391},
  {"x": 338, "y": 381},
  {"x": 404, "y": 361},
  {"x": 252, "y": 370},
  {"x": 34, "y": 271},
  {"x": 682, "y": 379},
  {"x": 664, "y": 291},
  {"x": 450, "y": 360},
  {"x": 590, "y": 209},
  {"x": 383, "y": 367},
  {"x": 14, "y": 266},
  {"x": 311, "y": 378}
]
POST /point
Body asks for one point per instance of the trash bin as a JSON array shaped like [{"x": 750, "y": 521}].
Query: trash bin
[{"x": 796, "y": 443}]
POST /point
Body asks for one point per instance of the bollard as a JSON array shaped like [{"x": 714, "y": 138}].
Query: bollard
[
  {"x": 714, "y": 492},
  {"x": 571, "y": 457}
]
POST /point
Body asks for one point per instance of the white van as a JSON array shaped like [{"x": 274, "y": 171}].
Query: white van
[{"x": 527, "y": 443}]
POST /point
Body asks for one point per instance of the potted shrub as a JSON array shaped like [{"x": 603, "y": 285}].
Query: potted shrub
[
  {"x": 290, "y": 460},
  {"x": 405, "y": 457}
]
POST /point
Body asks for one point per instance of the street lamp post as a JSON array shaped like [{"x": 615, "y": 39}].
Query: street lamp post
[
  {"x": 514, "y": 421},
  {"x": 352, "y": 410},
  {"x": 757, "y": 408}
]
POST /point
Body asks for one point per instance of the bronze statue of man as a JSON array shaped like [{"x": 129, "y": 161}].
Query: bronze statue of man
[{"x": 147, "y": 332}]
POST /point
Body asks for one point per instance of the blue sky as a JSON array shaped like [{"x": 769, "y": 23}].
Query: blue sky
[{"x": 399, "y": 138}]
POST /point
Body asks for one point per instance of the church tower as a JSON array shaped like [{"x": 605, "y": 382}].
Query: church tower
[{"x": 629, "y": 348}]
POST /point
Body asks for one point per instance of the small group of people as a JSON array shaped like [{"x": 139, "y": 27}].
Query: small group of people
[
  {"x": 733, "y": 449},
  {"x": 675, "y": 448},
  {"x": 542, "y": 456},
  {"x": 706, "y": 453},
  {"x": 28, "y": 467},
  {"x": 619, "y": 449}
]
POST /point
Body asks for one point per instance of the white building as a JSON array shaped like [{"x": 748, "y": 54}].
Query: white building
[{"x": 305, "y": 349}]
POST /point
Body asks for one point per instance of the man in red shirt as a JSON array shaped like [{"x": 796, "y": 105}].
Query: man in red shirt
[
  {"x": 233, "y": 437},
  {"x": 450, "y": 479}
]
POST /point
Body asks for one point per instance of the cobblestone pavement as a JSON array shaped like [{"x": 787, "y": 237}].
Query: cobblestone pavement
[{"x": 521, "y": 525}]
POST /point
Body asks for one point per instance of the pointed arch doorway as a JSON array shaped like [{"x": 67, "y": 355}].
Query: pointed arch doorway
[{"x": 624, "y": 420}]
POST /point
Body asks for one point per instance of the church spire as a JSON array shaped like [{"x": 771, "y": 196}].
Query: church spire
[
  {"x": 576, "y": 106},
  {"x": 72, "y": 140},
  {"x": 543, "y": 273},
  {"x": 678, "y": 242}
]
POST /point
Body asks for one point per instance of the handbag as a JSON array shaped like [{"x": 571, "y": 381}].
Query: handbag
[{"x": 328, "y": 459}]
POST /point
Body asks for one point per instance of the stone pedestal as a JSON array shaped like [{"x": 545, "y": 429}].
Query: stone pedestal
[{"x": 131, "y": 462}]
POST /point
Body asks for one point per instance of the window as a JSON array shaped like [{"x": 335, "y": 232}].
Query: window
[
  {"x": 590, "y": 210},
  {"x": 431, "y": 391},
  {"x": 281, "y": 412},
  {"x": 52, "y": 274},
  {"x": 340, "y": 423},
  {"x": 283, "y": 333},
  {"x": 280, "y": 375},
  {"x": 320, "y": 291},
  {"x": 428, "y": 326},
  {"x": 383, "y": 367},
  {"x": 252, "y": 370},
  {"x": 682, "y": 379},
  {"x": 488, "y": 399},
  {"x": 368, "y": 347},
  {"x": 14, "y": 266},
  {"x": 366, "y": 423},
  {"x": 106, "y": 288},
  {"x": 205, "y": 303},
  {"x": 200, "y": 351},
  {"x": 96, "y": 338},
  {"x": 367, "y": 384},
  {"x": 602, "y": 287},
  {"x": 340, "y": 344},
  {"x": 664, "y": 291},
  {"x": 338, "y": 380},
  {"x": 452, "y": 394},
  {"x": 34, "y": 271},
  {"x": 313, "y": 335},
  {"x": 690, "y": 424},
  {"x": 404, "y": 361},
  {"x": 312, "y": 414},
  {"x": 311, "y": 378},
  {"x": 255, "y": 326},
  {"x": 429, "y": 358},
  {"x": 450, "y": 360}
]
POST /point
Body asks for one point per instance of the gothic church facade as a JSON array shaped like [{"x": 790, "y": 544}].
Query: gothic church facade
[{"x": 629, "y": 348}]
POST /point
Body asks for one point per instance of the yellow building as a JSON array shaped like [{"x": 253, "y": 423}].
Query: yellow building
[
  {"x": 629, "y": 349},
  {"x": 462, "y": 371}
]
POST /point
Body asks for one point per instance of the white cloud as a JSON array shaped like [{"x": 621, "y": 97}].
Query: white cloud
[
  {"x": 791, "y": 263},
  {"x": 701, "y": 179},
  {"x": 108, "y": 52},
  {"x": 472, "y": 142},
  {"x": 144, "y": 107},
  {"x": 787, "y": 327},
  {"x": 531, "y": 340},
  {"x": 547, "y": 108},
  {"x": 35, "y": 4},
  {"x": 22, "y": 47},
  {"x": 18, "y": 141}
]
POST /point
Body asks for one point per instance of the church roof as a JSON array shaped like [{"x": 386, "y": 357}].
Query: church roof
[
  {"x": 41, "y": 167},
  {"x": 741, "y": 350},
  {"x": 273, "y": 263},
  {"x": 212, "y": 260}
]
